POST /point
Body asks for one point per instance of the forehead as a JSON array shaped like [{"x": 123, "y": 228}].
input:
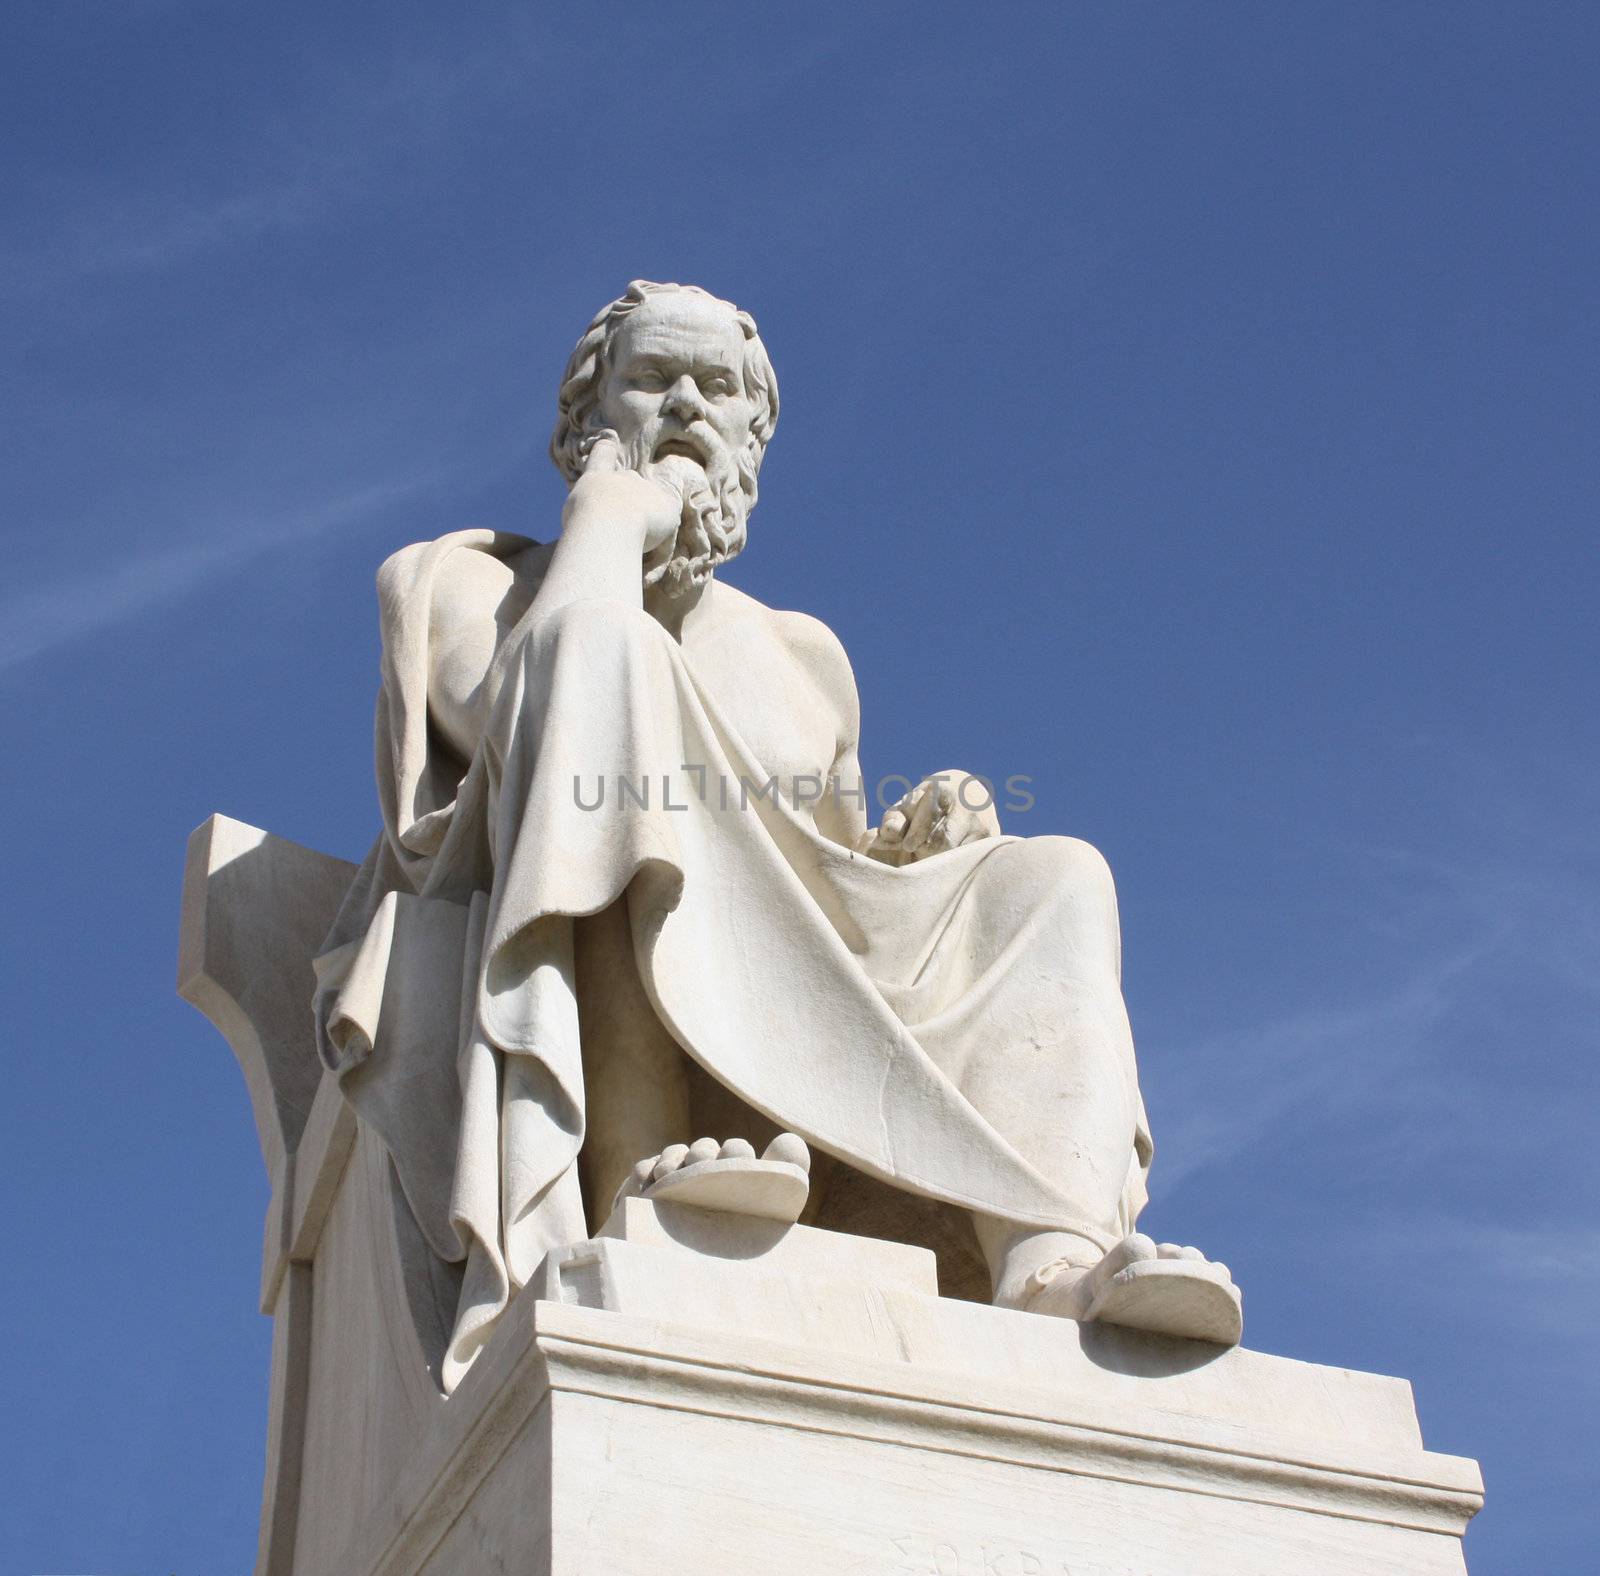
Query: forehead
[{"x": 682, "y": 328}]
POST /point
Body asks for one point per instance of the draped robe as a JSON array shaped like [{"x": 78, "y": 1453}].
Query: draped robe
[{"x": 945, "y": 1026}]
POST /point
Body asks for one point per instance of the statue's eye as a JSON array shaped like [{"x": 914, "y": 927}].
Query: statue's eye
[
  {"x": 650, "y": 380},
  {"x": 717, "y": 387}
]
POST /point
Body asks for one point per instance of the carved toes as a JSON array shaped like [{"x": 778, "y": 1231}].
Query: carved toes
[
  {"x": 790, "y": 1148},
  {"x": 729, "y": 1177},
  {"x": 787, "y": 1148}
]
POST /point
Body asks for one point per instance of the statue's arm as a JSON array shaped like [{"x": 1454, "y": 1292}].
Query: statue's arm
[
  {"x": 612, "y": 518},
  {"x": 841, "y": 813},
  {"x": 475, "y": 597}
]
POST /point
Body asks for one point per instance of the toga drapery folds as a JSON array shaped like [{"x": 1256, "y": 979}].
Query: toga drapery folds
[{"x": 939, "y": 1026}]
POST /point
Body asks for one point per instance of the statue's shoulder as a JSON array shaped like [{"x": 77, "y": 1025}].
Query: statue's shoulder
[
  {"x": 807, "y": 637},
  {"x": 820, "y": 651},
  {"x": 812, "y": 646},
  {"x": 461, "y": 577}
]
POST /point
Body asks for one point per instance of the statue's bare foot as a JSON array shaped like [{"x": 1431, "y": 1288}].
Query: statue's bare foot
[
  {"x": 728, "y": 1177},
  {"x": 1145, "y": 1285}
]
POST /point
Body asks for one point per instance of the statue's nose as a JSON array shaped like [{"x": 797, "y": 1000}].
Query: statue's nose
[{"x": 683, "y": 398}]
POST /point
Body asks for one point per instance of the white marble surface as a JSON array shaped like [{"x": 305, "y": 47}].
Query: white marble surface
[
  {"x": 730, "y": 1011},
  {"x": 578, "y": 893},
  {"x": 694, "y": 1385},
  {"x": 723, "y": 1395}
]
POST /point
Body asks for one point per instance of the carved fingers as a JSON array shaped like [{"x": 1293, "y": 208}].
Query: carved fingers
[
  {"x": 615, "y": 497},
  {"x": 604, "y": 455},
  {"x": 944, "y": 811}
]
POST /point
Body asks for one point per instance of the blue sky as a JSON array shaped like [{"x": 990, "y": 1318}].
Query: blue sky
[{"x": 1189, "y": 406}]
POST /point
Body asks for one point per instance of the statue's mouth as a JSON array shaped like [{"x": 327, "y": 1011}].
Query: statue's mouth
[{"x": 685, "y": 448}]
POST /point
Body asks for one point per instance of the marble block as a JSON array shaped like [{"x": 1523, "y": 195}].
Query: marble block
[
  {"x": 704, "y": 1390},
  {"x": 690, "y": 1391}
]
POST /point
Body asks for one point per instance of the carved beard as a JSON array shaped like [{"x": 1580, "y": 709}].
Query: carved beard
[{"x": 716, "y": 512}]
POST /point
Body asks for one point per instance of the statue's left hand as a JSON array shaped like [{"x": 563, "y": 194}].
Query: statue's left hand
[{"x": 944, "y": 811}]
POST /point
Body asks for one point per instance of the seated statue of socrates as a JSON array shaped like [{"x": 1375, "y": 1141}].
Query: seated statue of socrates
[{"x": 627, "y": 895}]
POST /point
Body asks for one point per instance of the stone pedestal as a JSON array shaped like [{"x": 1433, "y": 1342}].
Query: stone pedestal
[
  {"x": 694, "y": 1392},
  {"x": 706, "y": 1392}
]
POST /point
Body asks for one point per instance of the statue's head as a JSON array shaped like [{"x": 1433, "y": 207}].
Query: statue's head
[{"x": 682, "y": 380}]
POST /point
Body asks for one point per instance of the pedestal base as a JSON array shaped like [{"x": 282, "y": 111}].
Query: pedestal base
[
  {"x": 707, "y": 1392},
  {"x": 694, "y": 1392}
]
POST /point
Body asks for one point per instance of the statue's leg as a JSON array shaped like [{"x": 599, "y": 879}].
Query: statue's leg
[
  {"x": 1037, "y": 1038},
  {"x": 1059, "y": 1081},
  {"x": 635, "y": 1075},
  {"x": 637, "y": 1095},
  {"x": 636, "y": 1087}
]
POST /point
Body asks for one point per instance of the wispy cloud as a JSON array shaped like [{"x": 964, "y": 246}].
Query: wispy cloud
[
  {"x": 1503, "y": 921},
  {"x": 293, "y": 172},
  {"x": 47, "y": 617},
  {"x": 1541, "y": 1279},
  {"x": 1231, "y": 1090}
]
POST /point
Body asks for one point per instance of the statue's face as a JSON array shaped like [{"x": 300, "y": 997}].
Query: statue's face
[{"x": 674, "y": 391}]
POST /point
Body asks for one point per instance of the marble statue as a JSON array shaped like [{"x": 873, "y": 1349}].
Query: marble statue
[
  {"x": 678, "y": 1171},
  {"x": 627, "y": 893}
]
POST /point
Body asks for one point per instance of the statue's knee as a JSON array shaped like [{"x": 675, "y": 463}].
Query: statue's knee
[
  {"x": 1064, "y": 865},
  {"x": 1067, "y": 883}
]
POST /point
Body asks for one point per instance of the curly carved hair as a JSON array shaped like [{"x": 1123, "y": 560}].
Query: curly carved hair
[{"x": 579, "y": 396}]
